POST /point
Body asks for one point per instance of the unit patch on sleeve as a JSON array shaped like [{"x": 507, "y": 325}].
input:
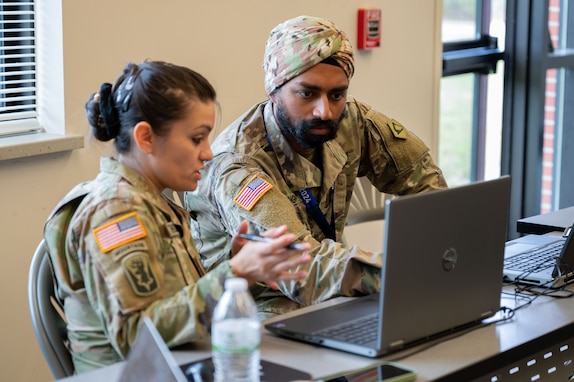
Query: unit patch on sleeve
[
  {"x": 252, "y": 192},
  {"x": 140, "y": 275},
  {"x": 121, "y": 231},
  {"x": 397, "y": 129}
]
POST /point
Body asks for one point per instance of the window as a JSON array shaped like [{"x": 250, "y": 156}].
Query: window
[
  {"x": 17, "y": 68},
  {"x": 471, "y": 90},
  {"x": 540, "y": 93},
  {"x": 32, "y": 80},
  {"x": 510, "y": 113}
]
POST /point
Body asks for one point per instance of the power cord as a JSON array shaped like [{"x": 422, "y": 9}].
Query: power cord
[
  {"x": 523, "y": 296},
  {"x": 505, "y": 313}
]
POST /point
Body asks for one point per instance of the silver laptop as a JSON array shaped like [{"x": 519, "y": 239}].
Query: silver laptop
[
  {"x": 442, "y": 272},
  {"x": 149, "y": 359},
  {"x": 541, "y": 260}
]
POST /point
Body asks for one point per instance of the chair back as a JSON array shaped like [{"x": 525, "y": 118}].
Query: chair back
[
  {"x": 367, "y": 203},
  {"x": 47, "y": 315}
]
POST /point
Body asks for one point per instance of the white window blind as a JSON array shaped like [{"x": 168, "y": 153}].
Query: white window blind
[{"x": 17, "y": 68}]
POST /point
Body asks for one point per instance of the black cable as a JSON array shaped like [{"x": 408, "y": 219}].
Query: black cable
[
  {"x": 522, "y": 292},
  {"x": 507, "y": 312},
  {"x": 529, "y": 293},
  {"x": 532, "y": 292}
]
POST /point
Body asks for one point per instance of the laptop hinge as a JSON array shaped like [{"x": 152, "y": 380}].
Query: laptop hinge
[
  {"x": 488, "y": 313},
  {"x": 397, "y": 345}
]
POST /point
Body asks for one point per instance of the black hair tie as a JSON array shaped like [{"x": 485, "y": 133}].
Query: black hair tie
[{"x": 108, "y": 110}]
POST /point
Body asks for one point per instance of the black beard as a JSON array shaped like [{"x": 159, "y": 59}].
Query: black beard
[{"x": 300, "y": 131}]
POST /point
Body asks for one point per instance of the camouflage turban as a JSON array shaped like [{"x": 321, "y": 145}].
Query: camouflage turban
[{"x": 301, "y": 43}]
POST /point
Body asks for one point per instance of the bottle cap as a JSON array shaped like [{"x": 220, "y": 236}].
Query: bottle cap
[{"x": 236, "y": 284}]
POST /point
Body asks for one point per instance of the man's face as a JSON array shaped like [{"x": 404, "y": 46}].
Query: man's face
[{"x": 308, "y": 108}]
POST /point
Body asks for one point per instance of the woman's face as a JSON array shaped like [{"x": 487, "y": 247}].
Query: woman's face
[{"x": 179, "y": 156}]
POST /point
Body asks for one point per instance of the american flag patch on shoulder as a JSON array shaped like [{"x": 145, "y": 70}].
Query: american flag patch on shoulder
[
  {"x": 252, "y": 192},
  {"x": 121, "y": 231}
]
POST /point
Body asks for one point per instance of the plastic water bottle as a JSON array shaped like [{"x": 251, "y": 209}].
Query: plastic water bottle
[{"x": 236, "y": 335}]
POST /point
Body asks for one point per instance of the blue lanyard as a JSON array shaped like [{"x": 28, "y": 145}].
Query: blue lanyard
[
  {"x": 313, "y": 207},
  {"x": 316, "y": 213}
]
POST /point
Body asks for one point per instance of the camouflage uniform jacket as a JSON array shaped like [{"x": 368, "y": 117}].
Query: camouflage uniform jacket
[
  {"x": 121, "y": 251},
  {"x": 367, "y": 144}
]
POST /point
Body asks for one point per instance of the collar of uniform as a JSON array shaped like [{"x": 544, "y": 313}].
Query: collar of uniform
[
  {"x": 297, "y": 170},
  {"x": 113, "y": 166}
]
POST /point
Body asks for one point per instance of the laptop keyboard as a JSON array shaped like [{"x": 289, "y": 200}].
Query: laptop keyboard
[
  {"x": 537, "y": 260},
  {"x": 360, "y": 331}
]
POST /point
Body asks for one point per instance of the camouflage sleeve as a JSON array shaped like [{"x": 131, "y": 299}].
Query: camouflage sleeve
[
  {"x": 137, "y": 275},
  {"x": 411, "y": 169},
  {"x": 334, "y": 270},
  {"x": 186, "y": 316},
  {"x": 271, "y": 209}
]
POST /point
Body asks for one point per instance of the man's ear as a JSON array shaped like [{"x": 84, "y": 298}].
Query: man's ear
[
  {"x": 273, "y": 96},
  {"x": 144, "y": 137}
]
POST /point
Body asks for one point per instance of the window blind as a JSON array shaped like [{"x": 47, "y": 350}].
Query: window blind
[{"x": 17, "y": 68}]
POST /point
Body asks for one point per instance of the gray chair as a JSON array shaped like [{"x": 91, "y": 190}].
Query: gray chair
[
  {"x": 47, "y": 315},
  {"x": 367, "y": 205}
]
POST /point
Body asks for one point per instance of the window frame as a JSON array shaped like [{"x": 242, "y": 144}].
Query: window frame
[
  {"x": 481, "y": 57},
  {"x": 530, "y": 56},
  {"x": 527, "y": 56},
  {"x": 18, "y": 68},
  {"x": 52, "y": 138}
]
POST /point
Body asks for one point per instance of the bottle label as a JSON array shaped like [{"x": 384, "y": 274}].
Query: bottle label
[{"x": 236, "y": 336}]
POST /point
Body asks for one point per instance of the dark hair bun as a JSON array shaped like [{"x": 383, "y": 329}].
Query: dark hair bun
[{"x": 102, "y": 114}]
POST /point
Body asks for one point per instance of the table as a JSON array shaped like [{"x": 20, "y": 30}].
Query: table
[{"x": 540, "y": 335}]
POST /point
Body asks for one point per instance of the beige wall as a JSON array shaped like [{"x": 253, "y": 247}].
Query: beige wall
[{"x": 223, "y": 40}]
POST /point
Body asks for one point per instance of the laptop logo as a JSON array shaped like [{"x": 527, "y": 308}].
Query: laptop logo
[{"x": 449, "y": 259}]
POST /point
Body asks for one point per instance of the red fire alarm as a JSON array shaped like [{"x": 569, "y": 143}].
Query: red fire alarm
[{"x": 369, "y": 28}]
